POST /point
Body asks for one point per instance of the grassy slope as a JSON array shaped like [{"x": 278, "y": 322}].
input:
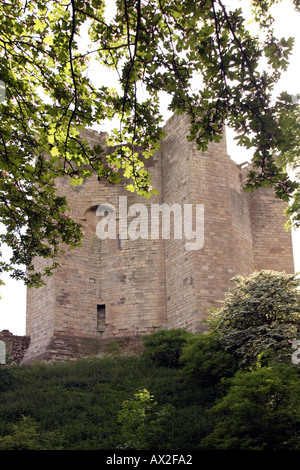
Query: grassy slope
[{"x": 75, "y": 405}]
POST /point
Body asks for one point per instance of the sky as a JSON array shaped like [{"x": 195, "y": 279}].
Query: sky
[{"x": 13, "y": 302}]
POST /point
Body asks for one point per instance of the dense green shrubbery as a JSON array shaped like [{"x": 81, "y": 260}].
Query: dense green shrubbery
[
  {"x": 204, "y": 360},
  {"x": 143, "y": 421},
  {"x": 164, "y": 347},
  {"x": 76, "y": 405},
  {"x": 260, "y": 317},
  {"x": 185, "y": 392},
  {"x": 24, "y": 436},
  {"x": 261, "y": 411},
  {"x": 79, "y": 406},
  {"x": 6, "y": 379}
]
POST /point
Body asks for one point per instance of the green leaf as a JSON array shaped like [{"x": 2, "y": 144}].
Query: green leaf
[{"x": 48, "y": 40}]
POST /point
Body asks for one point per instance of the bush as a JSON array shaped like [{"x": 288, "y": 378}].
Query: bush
[
  {"x": 263, "y": 298},
  {"x": 24, "y": 436},
  {"x": 260, "y": 317},
  {"x": 142, "y": 421},
  {"x": 164, "y": 347},
  {"x": 204, "y": 360},
  {"x": 6, "y": 379},
  {"x": 261, "y": 411}
]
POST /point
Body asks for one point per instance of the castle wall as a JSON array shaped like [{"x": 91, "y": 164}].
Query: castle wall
[
  {"x": 272, "y": 244},
  {"x": 121, "y": 288},
  {"x": 176, "y": 189},
  {"x": 107, "y": 288},
  {"x": 196, "y": 280},
  {"x": 215, "y": 264},
  {"x": 241, "y": 224},
  {"x": 40, "y": 313}
]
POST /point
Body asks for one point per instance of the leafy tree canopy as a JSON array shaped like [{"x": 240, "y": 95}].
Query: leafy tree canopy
[
  {"x": 259, "y": 317},
  {"x": 259, "y": 412},
  {"x": 153, "y": 46}
]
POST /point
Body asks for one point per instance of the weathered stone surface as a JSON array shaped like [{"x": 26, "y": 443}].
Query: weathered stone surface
[{"x": 15, "y": 346}]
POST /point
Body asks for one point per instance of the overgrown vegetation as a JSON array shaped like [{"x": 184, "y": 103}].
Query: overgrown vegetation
[
  {"x": 185, "y": 392},
  {"x": 260, "y": 317},
  {"x": 78, "y": 405},
  {"x": 164, "y": 348},
  {"x": 128, "y": 403}
]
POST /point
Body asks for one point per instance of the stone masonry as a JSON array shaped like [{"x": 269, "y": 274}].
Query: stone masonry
[
  {"x": 117, "y": 290},
  {"x": 15, "y": 346}
]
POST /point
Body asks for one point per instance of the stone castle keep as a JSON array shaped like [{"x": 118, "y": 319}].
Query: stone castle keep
[{"x": 117, "y": 290}]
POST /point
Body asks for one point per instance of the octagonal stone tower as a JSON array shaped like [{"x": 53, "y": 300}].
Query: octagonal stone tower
[{"x": 144, "y": 278}]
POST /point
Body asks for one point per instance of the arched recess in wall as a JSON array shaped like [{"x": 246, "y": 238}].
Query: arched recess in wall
[
  {"x": 100, "y": 221},
  {"x": 93, "y": 256},
  {"x": 99, "y": 246}
]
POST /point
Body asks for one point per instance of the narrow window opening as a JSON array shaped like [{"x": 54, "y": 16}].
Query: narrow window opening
[{"x": 101, "y": 317}]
